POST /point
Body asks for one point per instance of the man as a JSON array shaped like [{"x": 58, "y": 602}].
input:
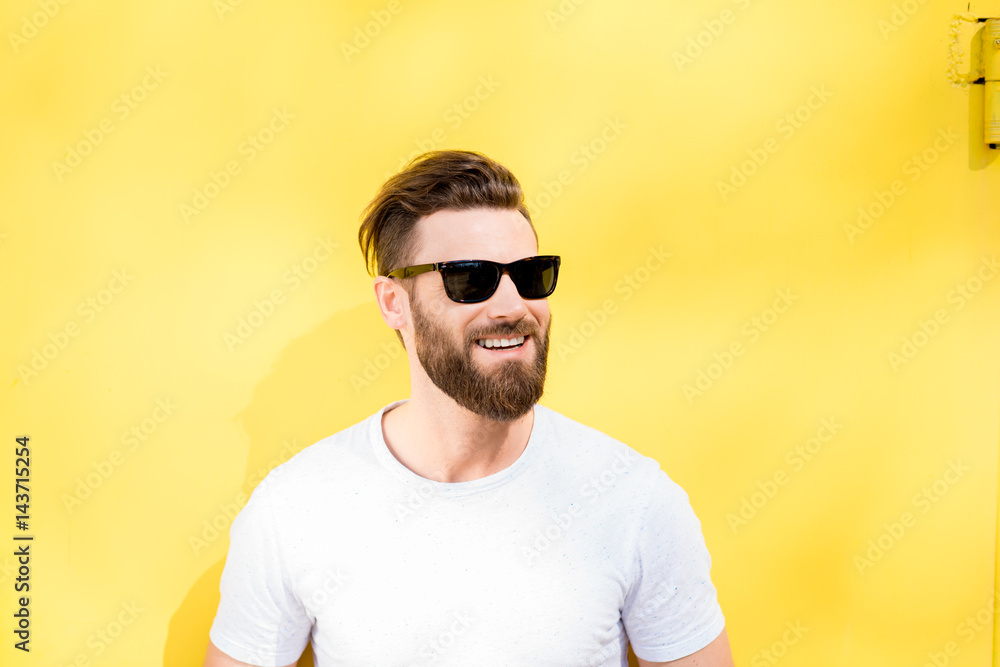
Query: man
[{"x": 467, "y": 525}]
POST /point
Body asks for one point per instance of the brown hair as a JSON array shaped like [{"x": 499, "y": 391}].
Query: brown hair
[{"x": 433, "y": 181}]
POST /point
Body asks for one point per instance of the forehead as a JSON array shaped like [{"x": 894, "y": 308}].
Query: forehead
[{"x": 501, "y": 235}]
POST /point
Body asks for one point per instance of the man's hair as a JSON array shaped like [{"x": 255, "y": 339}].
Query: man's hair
[{"x": 431, "y": 182}]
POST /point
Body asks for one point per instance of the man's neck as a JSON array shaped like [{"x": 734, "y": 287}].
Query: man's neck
[{"x": 445, "y": 442}]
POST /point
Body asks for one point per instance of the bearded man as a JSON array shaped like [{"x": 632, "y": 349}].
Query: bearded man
[{"x": 468, "y": 524}]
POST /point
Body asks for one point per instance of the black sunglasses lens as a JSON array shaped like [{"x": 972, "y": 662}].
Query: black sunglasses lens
[
  {"x": 535, "y": 278},
  {"x": 469, "y": 282}
]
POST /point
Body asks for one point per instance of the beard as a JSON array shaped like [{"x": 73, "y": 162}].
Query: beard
[{"x": 504, "y": 391}]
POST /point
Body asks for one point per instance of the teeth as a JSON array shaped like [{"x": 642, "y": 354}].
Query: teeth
[{"x": 500, "y": 342}]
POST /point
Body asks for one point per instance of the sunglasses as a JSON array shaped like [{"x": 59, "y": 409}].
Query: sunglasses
[{"x": 475, "y": 280}]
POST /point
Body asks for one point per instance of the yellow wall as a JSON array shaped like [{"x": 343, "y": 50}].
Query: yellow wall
[{"x": 622, "y": 133}]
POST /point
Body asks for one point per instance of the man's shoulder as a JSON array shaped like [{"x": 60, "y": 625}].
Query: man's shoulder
[
  {"x": 586, "y": 446},
  {"x": 343, "y": 455},
  {"x": 591, "y": 465}
]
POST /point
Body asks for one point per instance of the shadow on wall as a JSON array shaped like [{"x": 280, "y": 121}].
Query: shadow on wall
[
  {"x": 321, "y": 383},
  {"x": 187, "y": 634}
]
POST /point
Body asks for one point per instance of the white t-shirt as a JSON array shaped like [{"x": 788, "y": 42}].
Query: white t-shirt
[{"x": 579, "y": 546}]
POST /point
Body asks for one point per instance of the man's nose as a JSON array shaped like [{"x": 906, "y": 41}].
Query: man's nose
[{"x": 506, "y": 300}]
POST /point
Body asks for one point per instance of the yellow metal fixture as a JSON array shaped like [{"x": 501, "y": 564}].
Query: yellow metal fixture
[{"x": 991, "y": 79}]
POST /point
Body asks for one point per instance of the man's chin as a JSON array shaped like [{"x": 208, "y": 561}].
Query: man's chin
[
  {"x": 505, "y": 415},
  {"x": 486, "y": 385}
]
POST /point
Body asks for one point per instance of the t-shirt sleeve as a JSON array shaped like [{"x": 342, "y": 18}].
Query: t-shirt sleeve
[
  {"x": 671, "y": 609},
  {"x": 260, "y": 620}
]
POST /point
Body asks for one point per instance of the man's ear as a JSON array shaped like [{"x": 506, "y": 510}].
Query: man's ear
[{"x": 393, "y": 302}]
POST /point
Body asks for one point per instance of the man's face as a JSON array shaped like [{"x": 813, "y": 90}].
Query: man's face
[{"x": 498, "y": 385}]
